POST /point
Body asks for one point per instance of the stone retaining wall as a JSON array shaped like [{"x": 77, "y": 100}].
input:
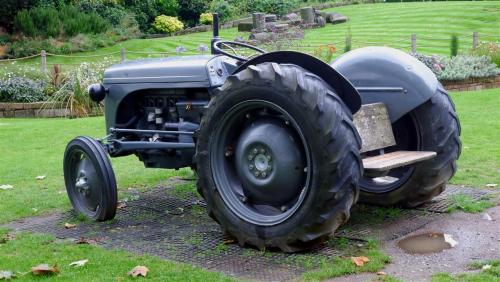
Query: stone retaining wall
[
  {"x": 26, "y": 110},
  {"x": 472, "y": 84}
]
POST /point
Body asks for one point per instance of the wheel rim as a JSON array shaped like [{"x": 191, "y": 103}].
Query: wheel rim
[
  {"x": 85, "y": 183},
  {"x": 260, "y": 162},
  {"x": 408, "y": 138}
]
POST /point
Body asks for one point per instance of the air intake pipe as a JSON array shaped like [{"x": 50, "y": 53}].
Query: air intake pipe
[{"x": 215, "y": 38}]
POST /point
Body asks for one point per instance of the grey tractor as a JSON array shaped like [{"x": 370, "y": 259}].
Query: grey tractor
[{"x": 282, "y": 143}]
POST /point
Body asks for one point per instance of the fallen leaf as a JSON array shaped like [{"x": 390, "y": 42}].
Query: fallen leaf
[
  {"x": 121, "y": 205},
  {"x": 449, "y": 239},
  {"x": 6, "y": 187},
  {"x": 6, "y": 275},
  {"x": 69, "y": 225},
  {"x": 139, "y": 271},
  {"x": 7, "y": 237},
  {"x": 360, "y": 261},
  {"x": 487, "y": 217},
  {"x": 40, "y": 177},
  {"x": 44, "y": 269},
  {"x": 92, "y": 241},
  {"x": 381, "y": 273},
  {"x": 79, "y": 263},
  {"x": 228, "y": 241},
  {"x": 486, "y": 266},
  {"x": 491, "y": 185}
]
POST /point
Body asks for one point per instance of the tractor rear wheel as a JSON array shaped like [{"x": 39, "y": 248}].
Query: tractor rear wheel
[
  {"x": 90, "y": 180},
  {"x": 433, "y": 126},
  {"x": 278, "y": 158}
]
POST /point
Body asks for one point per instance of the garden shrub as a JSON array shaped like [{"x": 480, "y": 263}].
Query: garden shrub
[
  {"x": 147, "y": 10},
  {"x": 167, "y": 24},
  {"x": 434, "y": 62},
  {"x": 109, "y": 11},
  {"x": 73, "y": 90},
  {"x": 206, "y": 18},
  {"x": 463, "y": 67},
  {"x": 490, "y": 49},
  {"x": 52, "y": 22},
  {"x": 190, "y": 10},
  {"x": 82, "y": 42},
  {"x": 459, "y": 67},
  {"x": 22, "y": 90},
  {"x": 223, "y": 8}
]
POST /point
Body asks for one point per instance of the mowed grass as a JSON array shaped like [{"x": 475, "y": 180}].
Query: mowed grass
[
  {"x": 479, "y": 115},
  {"x": 33, "y": 147},
  {"x": 383, "y": 24},
  {"x": 29, "y": 250}
]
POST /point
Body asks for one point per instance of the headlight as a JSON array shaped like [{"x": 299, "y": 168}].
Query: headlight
[{"x": 97, "y": 92}]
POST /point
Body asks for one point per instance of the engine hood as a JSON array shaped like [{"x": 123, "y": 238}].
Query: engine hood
[{"x": 160, "y": 70}]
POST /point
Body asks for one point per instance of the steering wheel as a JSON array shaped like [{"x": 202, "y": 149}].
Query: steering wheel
[{"x": 218, "y": 47}]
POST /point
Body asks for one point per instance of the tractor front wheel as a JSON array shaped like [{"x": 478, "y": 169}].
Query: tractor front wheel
[
  {"x": 90, "y": 180},
  {"x": 278, "y": 158}
]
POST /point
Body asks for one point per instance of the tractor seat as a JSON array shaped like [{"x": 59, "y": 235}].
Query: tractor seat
[{"x": 374, "y": 127}]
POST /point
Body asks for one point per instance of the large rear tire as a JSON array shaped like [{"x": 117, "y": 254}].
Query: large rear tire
[
  {"x": 278, "y": 158},
  {"x": 433, "y": 126}
]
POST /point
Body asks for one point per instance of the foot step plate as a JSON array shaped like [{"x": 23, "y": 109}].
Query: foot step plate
[{"x": 395, "y": 159}]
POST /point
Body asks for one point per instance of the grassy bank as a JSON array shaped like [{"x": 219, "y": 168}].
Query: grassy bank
[{"x": 389, "y": 24}]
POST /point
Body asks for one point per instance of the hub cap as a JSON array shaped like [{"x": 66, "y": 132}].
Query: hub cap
[
  {"x": 86, "y": 191},
  {"x": 259, "y": 161},
  {"x": 269, "y": 162}
]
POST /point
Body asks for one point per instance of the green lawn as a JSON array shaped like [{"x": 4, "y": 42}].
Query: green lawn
[
  {"x": 28, "y": 250},
  {"x": 479, "y": 115},
  {"x": 33, "y": 147},
  {"x": 388, "y": 24}
]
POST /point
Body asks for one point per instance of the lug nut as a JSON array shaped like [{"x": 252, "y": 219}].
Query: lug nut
[
  {"x": 250, "y": 157},
  {"x": 250, "y": 166},
  {"x": 255, "y": 151},
  {"x": 264, "y": 174},
  {"x": 256, "y": 174},
  {"x": 269, "y": 168},
  {"x": 268, "y": 157}
]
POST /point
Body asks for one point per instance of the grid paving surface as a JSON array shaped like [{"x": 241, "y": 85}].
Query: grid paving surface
[{"x": 162, "y": 223}]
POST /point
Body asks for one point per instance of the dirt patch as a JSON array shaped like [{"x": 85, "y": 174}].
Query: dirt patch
[{"x": 160, "y": 223}]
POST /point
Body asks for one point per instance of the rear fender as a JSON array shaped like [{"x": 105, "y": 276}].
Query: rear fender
[
  {"x": 389, "y": 76},
  {"x": 344, "y": 89}
]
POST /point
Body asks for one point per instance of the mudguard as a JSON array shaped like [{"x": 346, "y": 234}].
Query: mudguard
[
  {"x": 390, "y": 76},
  {"x": 344, "y": 89}
]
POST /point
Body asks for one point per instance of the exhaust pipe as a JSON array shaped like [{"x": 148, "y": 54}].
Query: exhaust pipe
[{"x": 215, "y": 38}]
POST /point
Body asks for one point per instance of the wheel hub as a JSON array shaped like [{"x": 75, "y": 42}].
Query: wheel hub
[
  {"x": 82, "y": 185},
  {"x": 260, "y": 164},
  {"x": 269, "y": 162}
]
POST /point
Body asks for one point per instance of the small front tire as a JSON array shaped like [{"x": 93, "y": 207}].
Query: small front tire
[{"x": 90, "y": 180}]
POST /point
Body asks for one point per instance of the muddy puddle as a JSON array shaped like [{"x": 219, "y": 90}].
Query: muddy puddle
[{"x": 426, "y": 243}]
